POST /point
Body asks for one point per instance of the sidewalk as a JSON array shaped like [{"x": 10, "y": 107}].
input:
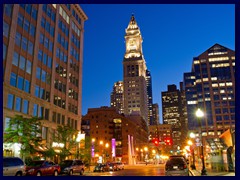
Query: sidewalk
[{"x": 197, "y": 172}]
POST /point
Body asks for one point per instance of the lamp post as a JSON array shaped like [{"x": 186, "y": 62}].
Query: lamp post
[
  {"x": 106, "y": 152},
  {"x": 199, "y": 115},
  {"x": 192, "y": 135},
  {"x": 93, "y": 150}
]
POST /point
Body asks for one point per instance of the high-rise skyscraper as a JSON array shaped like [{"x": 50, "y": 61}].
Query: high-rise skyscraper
[
  {"x": 149, "y": 96},
  {"x": 210, "y": 86},
  {"x": 42, "y": 64},
  {"x": 134, "y": 73},
  {"x": 171, "y": 112},
  {"x": 117, "y": 96},
  {"x": 155, "y": 113}
]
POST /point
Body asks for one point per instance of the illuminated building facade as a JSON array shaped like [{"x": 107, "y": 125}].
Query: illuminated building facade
[
  {"x": 210, "y": 86},
  {"x": 42, "y": 64},
  {"x": 150, "y": 98},
  {"x": 105, "y": 124},
  {"x": 134, "y": 73},
  {"x": 117, "y": 97},
  {"x": 171, "y": 112}
]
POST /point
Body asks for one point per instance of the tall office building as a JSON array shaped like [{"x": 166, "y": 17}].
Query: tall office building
[
  {"x": 117, "y": 96},
  {"x": 171, "y": 112},
  {"x": 42, "y": 64},
  {"x": 149, "y": 96},
  {"x": 210, "y": 86},
  {"x": 155, "y": 115},
  {"x": 134, "y": 73}
]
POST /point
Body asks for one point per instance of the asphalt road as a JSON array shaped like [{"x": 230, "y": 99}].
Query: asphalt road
[{"x": 133, "y": 170}]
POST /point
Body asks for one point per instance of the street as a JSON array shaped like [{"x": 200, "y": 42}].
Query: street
[{"x": 133, "y": 170}]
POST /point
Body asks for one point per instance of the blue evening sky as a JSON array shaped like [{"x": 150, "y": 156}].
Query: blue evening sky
[{"x": 172, "y": 35}]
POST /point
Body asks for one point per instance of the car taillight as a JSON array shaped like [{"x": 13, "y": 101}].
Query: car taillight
[{"x": 184, "y": 166}]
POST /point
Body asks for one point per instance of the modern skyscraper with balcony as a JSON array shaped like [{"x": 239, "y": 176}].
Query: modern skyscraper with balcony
[
  {"x": 117, "y": 97},
  {"x": 42, "y": 64},
  {"x": 210, "y": 86},
  {"x": 134, "y": 73}
]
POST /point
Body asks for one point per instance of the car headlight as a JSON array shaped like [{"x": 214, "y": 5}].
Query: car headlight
[
  {"x": 66, "y": 169},
  {"x": 31, "y": 170}
]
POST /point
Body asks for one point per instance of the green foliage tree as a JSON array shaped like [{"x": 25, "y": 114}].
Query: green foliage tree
[
  {"x": 25, "y": 131},
  {"x": 85, "y": 151},
  {"x": 65, "y": 135}
]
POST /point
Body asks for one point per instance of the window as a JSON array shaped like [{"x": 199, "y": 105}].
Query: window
[
  {"x": 20, "y": 20},
  {"x": 20, "y": 82},
  {"x": 49, "y": 62},
  {"x": 44, "y": 58},
  {"x": 27, "y": 86},
  {"x": 18, "y": 39},
  {"x": 5, "y": 29},
  {"x": 47, "y": 114},
  {"x": 18, "y": 104},
  {"x": 4, "y": 51},
  {"x": 8, "y": 9},
  {"x": 35, "y": 109},
  {"x": 29, "y": 67},
  {"x": 34, "y": 13},
  {"x": 43, "y": 77},
  {"x": 10, "y": 101},
  {"x": 25, "y": 106},
  {"x": 38, "y": 73},
  {"x": 24, "y": 43},
  {"x": 6, "y": 124},
  {"x": 42, "y": 93},
  {"x": 36, "y": 92},
  {"x": 30, "y": 47},
  {"x": 15, "y": 58},
  {"x": 32, "y": 30},
  {"x": 26, "y": 25},
  {"x": 22, "y": 63},
  {"x": 13, "y": 79},
  {"x": 40, "y": 55}
]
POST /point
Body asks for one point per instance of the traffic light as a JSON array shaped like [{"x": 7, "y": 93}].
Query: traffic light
[
  {"x": 168, "y": 141},
  {"x": 155, "y": 141}
]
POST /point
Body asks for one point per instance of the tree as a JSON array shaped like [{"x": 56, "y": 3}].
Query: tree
[
  {"x": 86, "y": 151},
  {"x": 67, "y": 136},
  {"x": 25, "y": 131}
]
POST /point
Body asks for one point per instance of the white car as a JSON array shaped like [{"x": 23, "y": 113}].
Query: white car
[{"x": 13, "y": 166}]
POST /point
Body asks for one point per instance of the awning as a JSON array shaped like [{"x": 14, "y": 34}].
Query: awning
[{"x": 216, "y": 143}]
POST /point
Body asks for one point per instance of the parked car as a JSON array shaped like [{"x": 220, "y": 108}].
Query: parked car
[
  {"x": 101, "y": 167},
  {"x": 176, "y": 166},
  {"x": 112, "y": 166},
  {"x": 13, "y": 166},
  {"x": 120, "y": 165},
  {"x": 70, "y": 167},
  {"x": 43, "y": 168},
  {"x": 172, "y": 156}
]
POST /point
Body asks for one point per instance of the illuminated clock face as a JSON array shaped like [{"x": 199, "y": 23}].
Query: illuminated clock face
[{"x": 132, "y": 44}]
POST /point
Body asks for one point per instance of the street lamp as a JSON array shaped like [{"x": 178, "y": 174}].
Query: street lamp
[
  {"x": 199, "y": 115},
  {"x": 93, "y": 149},
  {"x": 192, "y": 135}
]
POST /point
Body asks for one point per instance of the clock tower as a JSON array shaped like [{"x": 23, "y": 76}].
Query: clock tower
[{"x": 134, "y": 73}]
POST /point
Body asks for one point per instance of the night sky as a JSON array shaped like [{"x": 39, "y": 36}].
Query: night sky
[{"x": 172, "y": 36}]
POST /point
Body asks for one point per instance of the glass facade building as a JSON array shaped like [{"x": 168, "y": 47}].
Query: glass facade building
[{"x": 210, "y": 86}]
